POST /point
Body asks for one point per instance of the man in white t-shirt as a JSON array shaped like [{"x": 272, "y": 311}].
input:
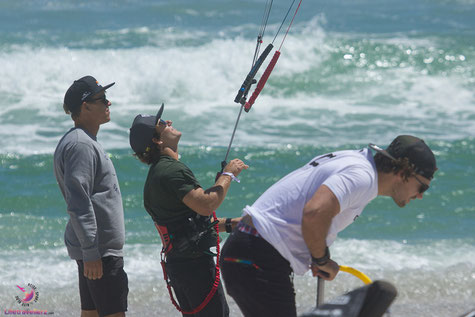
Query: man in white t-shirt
[{"x": 290, "y": 227}]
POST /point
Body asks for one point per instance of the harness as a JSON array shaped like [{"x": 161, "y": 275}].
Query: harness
[{"x": 167, "y": 238}]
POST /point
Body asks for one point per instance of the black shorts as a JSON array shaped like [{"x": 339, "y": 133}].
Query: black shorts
[
  {"x": 257, "y": 277},
  {"x": 192, "y": 279},
  {"x": 107, "y": 295}
]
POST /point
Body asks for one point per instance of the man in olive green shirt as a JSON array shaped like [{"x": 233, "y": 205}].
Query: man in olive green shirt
[{"x": 181, "y": 210}]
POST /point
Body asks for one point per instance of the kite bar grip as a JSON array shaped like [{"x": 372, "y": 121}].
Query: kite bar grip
[
  {"x": 246, "y": 85},
  {"x": 262, "y": 81},
  {"x": 356, "y": 273}
]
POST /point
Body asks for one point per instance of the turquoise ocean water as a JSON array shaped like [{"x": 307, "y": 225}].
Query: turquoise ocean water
[{"x": 350, "y": 73}]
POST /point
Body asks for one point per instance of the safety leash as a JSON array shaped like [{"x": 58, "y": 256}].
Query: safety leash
[{"x": 166, "y": 246}]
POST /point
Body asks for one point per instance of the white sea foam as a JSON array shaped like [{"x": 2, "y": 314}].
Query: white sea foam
[{"x": 199, "y": 82}]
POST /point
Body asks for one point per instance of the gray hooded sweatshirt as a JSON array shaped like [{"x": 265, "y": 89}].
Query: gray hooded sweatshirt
[{"x": 88, "y": 182}]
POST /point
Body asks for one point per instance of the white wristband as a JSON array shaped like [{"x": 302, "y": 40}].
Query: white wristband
[{"x": 234, "y": 178}]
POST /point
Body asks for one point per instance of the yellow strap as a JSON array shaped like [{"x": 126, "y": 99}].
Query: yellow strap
[{"x": 356, "y": 273}]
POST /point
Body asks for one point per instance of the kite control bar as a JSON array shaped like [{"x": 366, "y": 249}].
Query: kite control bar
[
  {"x": 262, "y": 82},
  {"x": 246, "y": 85}
]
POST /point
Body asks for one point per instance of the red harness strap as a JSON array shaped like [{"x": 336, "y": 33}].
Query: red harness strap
[
  {"x": 167, "y": 246},
  {"x": 165, "y": 236}
]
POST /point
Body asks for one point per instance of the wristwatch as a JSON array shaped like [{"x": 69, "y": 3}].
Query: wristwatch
[
  {"x": 323, "y": 260},
  {"x": 228, "y": 225}
]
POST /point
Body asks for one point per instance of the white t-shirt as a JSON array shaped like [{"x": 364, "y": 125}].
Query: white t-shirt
[{"x": 277, "y": 214}]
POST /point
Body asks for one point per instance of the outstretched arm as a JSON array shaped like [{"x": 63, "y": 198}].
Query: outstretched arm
[
  {"x": 222, "y": 223},
  {"x": 204, "y": 202}
]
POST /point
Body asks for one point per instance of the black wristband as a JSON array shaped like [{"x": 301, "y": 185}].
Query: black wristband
[
  {"x": 228, "y": 225},
  {"x": 323, "y": 260}
]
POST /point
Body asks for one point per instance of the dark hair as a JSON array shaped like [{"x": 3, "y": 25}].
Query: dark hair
[
  {"x": 386, "y": 165},
  {"x": 74, "y": 113},
  {"x": 152, "y": 154}
]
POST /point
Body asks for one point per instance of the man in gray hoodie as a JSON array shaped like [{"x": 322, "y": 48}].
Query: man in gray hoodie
[{"x": 95, "y": 233}]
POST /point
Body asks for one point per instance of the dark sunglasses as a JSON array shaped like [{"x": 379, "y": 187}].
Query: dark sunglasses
[
  {"x": 102, "y": 99},
  {"x": 161, "y": 122},
  {"x": 423, "y": 186}
]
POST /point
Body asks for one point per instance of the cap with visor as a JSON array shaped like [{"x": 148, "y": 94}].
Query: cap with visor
[
  {"x": 415, "y": 150},
  {"x": 81, "y": 90},
  {"x": 143, "y": 130}
]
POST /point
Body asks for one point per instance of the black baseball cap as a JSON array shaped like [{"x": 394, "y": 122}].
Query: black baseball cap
[
  {"x": 142, "y": 131},
  {"x": 416, "y": 151},
  {"x": 82, "y": 89}
]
